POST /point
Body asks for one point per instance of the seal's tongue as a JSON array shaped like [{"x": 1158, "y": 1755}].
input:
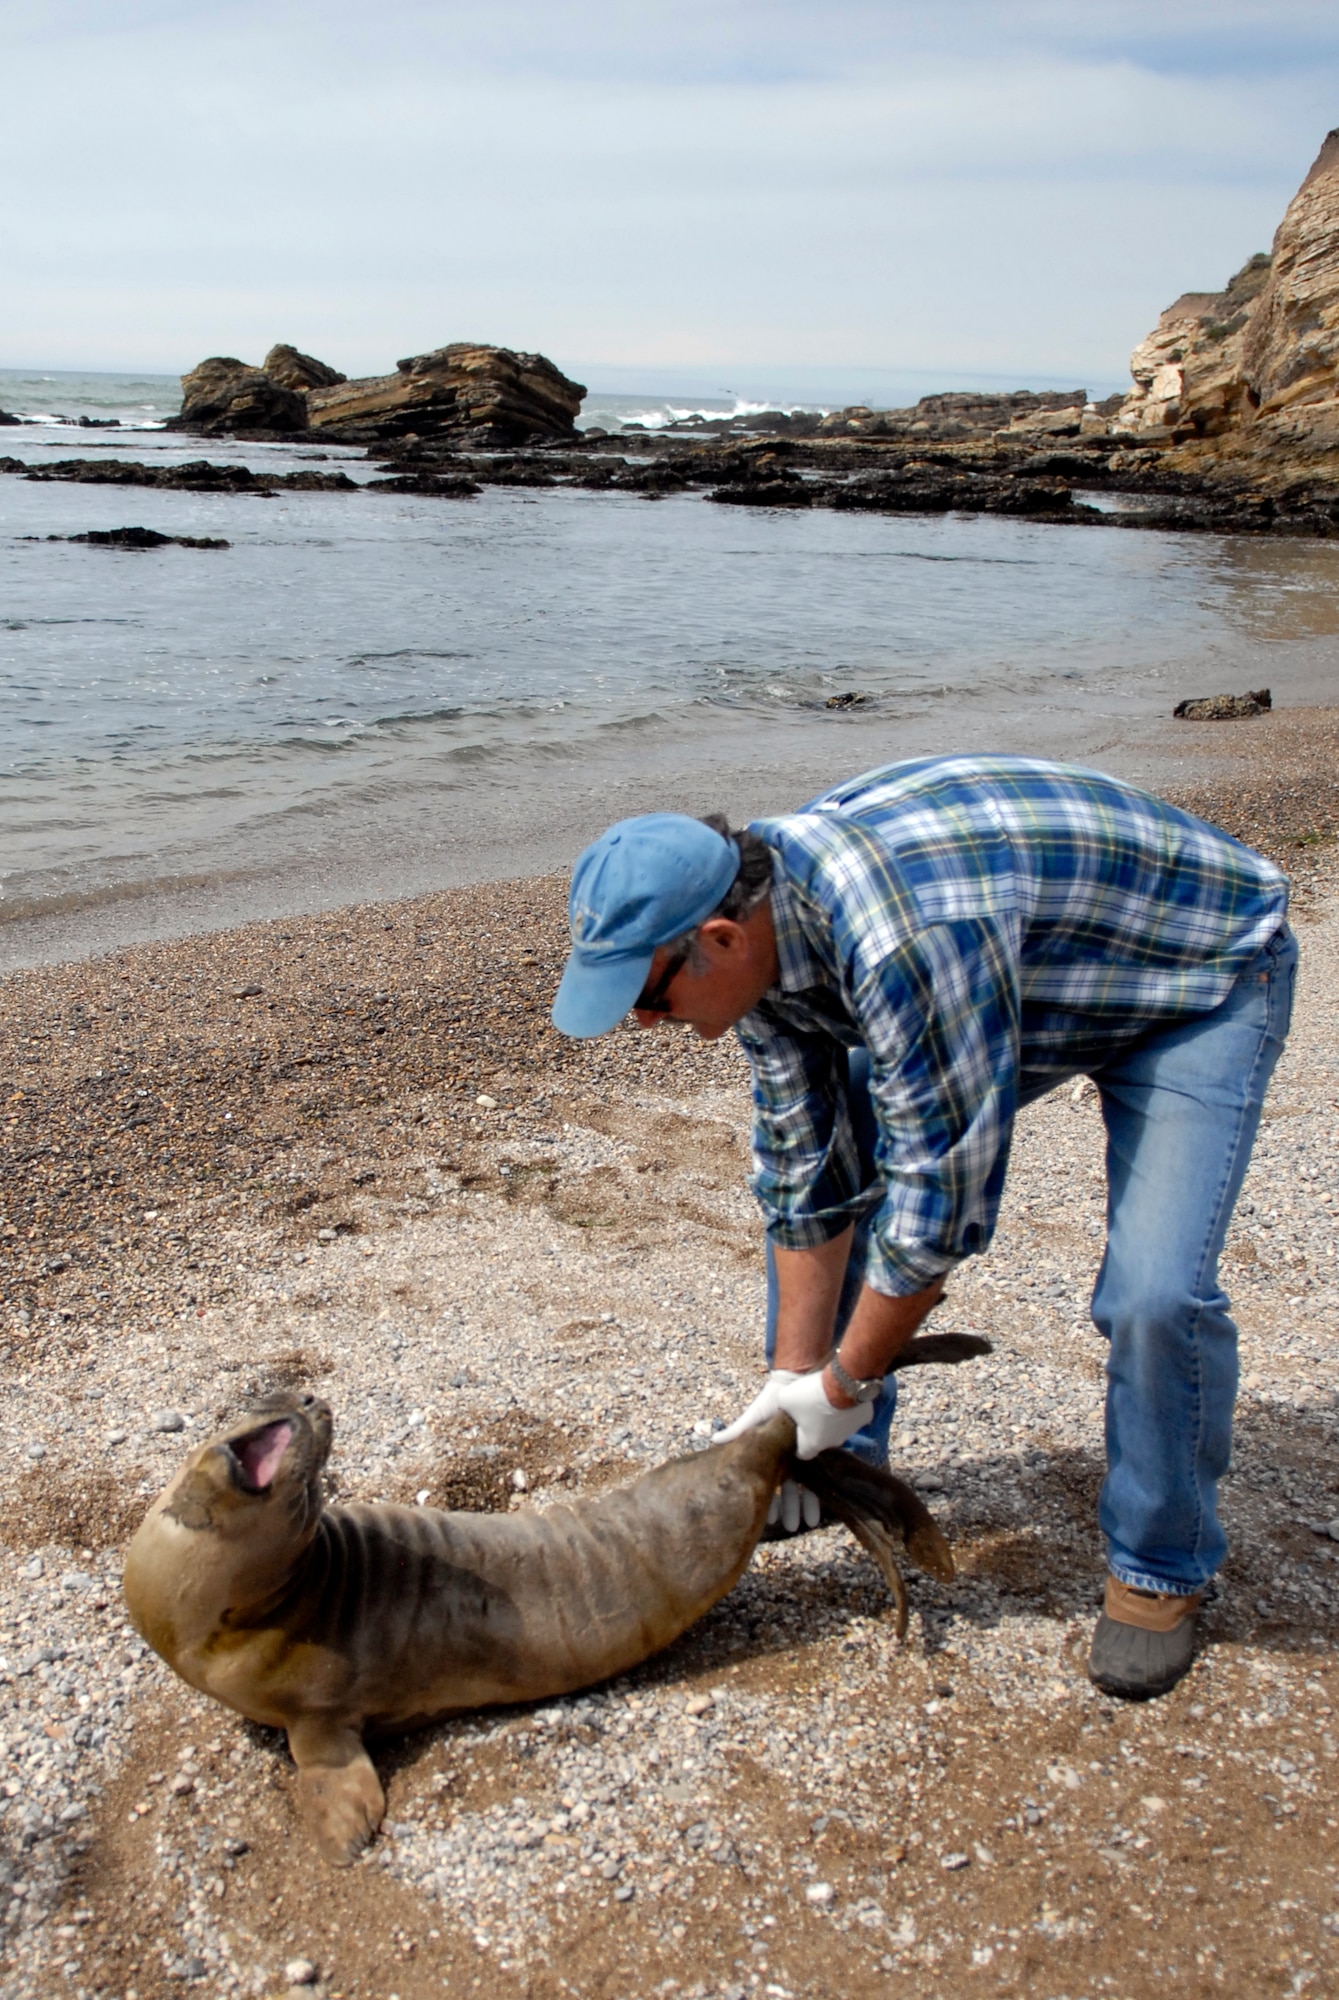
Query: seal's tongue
[{"x": 259, "y": 1454}]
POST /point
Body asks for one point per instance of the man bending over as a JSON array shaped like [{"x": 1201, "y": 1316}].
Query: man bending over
[{"x": 907, "y": 960}]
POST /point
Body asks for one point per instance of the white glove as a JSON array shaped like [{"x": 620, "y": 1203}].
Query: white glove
[
  {"x": 766, "y": 1404},
  {"x": 820, "y": 1426},
  {"x": 789, "y": 1503}
]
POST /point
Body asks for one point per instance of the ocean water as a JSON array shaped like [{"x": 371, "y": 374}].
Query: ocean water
[
  {"x": 46, "y": 396},
  {"x": 369, "y": 695}
]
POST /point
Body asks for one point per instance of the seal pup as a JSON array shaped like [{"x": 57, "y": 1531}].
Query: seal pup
[{"x": 336, "y": 1622}]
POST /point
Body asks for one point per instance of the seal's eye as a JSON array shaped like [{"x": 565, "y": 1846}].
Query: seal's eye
[{"x": 257, "y": 1456}]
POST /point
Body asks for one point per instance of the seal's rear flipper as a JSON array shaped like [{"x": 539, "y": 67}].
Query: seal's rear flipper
[
  {"x": 942, "y": 1347},
  {"x": 872, "y": 1503}
]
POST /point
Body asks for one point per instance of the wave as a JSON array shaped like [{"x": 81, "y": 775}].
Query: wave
[
  {"x": 674, "y": 413},
  {"x": 654, "y": 413},
  {"x": 54, "y": 420},
  {"x": 63, "y": 902}
]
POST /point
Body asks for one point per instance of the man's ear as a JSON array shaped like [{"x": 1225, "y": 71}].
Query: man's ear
[{"x": 722, "y": 933}]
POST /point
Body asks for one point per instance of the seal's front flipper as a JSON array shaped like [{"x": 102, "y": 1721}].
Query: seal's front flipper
[{"x": 339, "y": 1792}]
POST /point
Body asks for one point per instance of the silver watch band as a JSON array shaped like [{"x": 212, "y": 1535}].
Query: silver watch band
[{"x": 860, "y": 1391}]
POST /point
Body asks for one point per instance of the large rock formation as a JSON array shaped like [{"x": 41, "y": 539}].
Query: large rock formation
[
  {"x": 1245, "y": 382},
  {"x": 224, "y": 395},
  {"x": 466, "y": 393},
  {"x": 295, "y": 370}
]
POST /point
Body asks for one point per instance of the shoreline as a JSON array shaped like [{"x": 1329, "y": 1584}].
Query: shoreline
[{"x": 1240, "y": 771}]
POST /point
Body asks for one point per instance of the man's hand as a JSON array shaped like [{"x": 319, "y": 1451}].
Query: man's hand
[
  {"x": 803, "y": 1397},
  {"x": 765, "y": 1405},
  {"x": 819, "y": 1425},
  {"x": 793, "y": 1503}
]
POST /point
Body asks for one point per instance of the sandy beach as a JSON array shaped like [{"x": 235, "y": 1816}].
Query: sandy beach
[{"x": 349, "y": 1150}]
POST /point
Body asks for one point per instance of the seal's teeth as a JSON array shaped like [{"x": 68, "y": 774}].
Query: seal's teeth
[{"x": 259, "y": 1454}]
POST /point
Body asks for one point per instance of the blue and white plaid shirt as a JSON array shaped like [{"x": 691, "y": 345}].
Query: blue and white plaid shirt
[{"x": 984, "y": 926}]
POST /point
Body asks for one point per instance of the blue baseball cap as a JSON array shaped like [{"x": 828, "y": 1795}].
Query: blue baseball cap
[{"x": 642, "y": 884}]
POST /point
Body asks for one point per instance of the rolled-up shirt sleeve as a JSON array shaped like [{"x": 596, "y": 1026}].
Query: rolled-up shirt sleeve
[{"x": 940, "y": 1018}]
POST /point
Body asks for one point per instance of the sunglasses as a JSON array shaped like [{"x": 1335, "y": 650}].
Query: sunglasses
[{"x": 655, "y": 999}]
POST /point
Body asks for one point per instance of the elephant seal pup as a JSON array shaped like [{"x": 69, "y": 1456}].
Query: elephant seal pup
[{"x": 333, "y": 1622}]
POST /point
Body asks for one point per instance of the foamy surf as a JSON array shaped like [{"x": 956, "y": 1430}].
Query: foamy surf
[{"x": 648, "y": 413}]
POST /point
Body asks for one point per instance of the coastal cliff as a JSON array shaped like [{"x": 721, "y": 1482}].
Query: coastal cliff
[
  {"x": 1243, "y": 384},
  {"x": 463, "y": 394}
]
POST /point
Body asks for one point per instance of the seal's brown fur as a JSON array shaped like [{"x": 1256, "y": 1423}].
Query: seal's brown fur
[{"x": 333, "y": 1622}]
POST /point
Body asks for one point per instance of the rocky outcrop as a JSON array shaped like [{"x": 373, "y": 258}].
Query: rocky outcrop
[
  {"x": 226, "y": 396},
  {"x": 141, "y": 538},
  {"x": 292, "y": 369},
  {"x": 1051, "y": 483},
  {"x": 1224, "y": 707},
  {"x": 197, "y": 476},
  {"x": 1244, "y": 383},
  {"x": 464, "y": 393},
  {"x": 965, "y": 416},
  {"x": 437, "y": 486}
]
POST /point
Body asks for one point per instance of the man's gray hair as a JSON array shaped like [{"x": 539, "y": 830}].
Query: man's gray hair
[{"x": 749, "y": 887}]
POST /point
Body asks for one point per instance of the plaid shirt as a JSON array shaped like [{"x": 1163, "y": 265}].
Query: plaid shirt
[{"x": 985, "y": 927}]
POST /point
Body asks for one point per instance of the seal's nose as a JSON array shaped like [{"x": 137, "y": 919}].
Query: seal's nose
[{"x": 306, "y": 1401}]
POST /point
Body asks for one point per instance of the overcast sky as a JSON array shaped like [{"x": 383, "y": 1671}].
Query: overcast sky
[{"x": 773, "y": 195}]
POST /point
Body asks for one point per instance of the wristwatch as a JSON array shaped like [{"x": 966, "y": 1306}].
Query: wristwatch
[{"x": 851, "y": 1385}]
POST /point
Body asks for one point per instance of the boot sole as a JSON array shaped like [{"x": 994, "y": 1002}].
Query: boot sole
[
  {"x": 1135, "y": 1685},
  {"x": 1139, "y": 1690}
]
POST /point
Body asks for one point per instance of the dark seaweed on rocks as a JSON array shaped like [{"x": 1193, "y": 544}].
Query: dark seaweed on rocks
[
  {"x": 436, "y": 485},
  {"x": 196, "y": 476},
  {"x": 133, "y": 538},
  {"x": 867, "y": 473},
  {"x": 142, "y": 538}
]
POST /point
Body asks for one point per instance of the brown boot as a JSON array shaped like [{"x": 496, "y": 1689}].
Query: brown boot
[{"x": 1144, "y": 1642}]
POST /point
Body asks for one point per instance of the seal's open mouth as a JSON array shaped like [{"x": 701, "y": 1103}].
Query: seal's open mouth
[{"x": 257, "y": 1456}]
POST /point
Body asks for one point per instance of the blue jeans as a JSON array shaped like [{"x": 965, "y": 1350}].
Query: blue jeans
[{"x": 1181, "y": 1107}]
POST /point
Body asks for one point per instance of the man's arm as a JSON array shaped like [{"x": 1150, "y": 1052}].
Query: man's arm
[{"x": 809, "y": 1284}]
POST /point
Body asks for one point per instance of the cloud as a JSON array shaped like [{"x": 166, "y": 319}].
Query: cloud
[{"x": 727, "y": 185}]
